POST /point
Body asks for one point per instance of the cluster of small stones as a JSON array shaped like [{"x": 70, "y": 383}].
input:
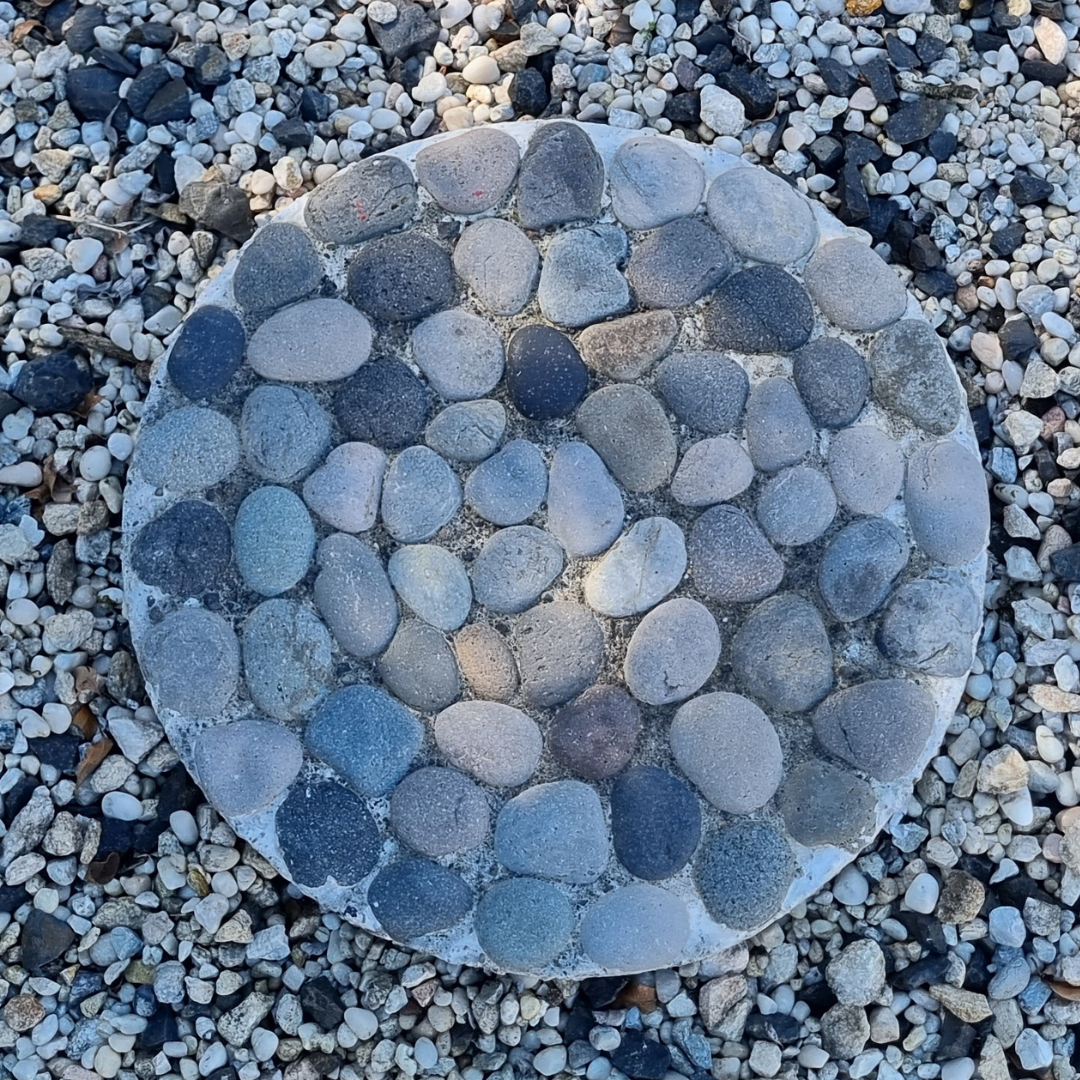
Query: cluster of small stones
[{"x": 600, "y": 618}]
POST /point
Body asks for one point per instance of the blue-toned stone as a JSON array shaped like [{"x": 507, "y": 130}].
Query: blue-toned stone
[
  {"x": 523, "y": 924},
  {"x": 284, "y": 432},
  {"x": 796, "y": 506},
  {"x": 637, "y": 927},
  {"x": 545, "y": 374},
  {"x": 866, "y": 466},
  {"x": 499, "y": 263},
  {"x": 460, "y": 354},
  {"x": 366, "y": 736},
  {"x": 655, "y": 822},
  {"x": 433, "y": 582},
  {"x": 833, "y": 380},
  {"x": 854, "y": 287},
  {"x": 778, "y": 430},
  {"x": 653, "y": 181},
  {"x": 188, "y": 450},
  {"x": 353, "y": 594},
  {"x": 929, "y": 626},
  {"x": 401, "y": 278},
  {"x": 183, "y": 551},
  {"x": 439, "y": 811},
  {"x": 313, "y": 853},
  {"x": 468, "y": 430},
  {"x": 585, "y": 507},
  {"x": 730, "y": 559},
  {"x": 678, "y": 263},
  {"x": 824, "y": 804},
  {"x": 273, "y": 539},
  {"x": 417, "y": 897},
  {"x": 420, "y": 494},
  {"x": 514, "y": 567},
  {"x": 947, "y": 503},
  {"x": 279, "y": 266},
  {"x": 559, "y": 649},
  {"x": 760, "y": 310},
  {"x": 206, "y": 355},
  {"x": 510, "y": 486},
  {"x": 859, "y": 567},
  {"x": 580, "y": 281},
  {"x": 705, "y": 390},
  {"x": 672, "y": 652}
]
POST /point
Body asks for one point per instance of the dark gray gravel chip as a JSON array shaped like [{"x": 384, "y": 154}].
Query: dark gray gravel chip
[
  {"x": 655, "y": 822},
  {"x": 705, "y": 390},
  {"x": 347, "y": 852},
  {"x": 678, "y": 263},
  {"x": 279, "y": 267},
  {"x": 760, "y": 310},
  {"x": 561, "y": 178},
  {"x": 859, "y": 567},
  {"x": 401, "y": 278},
  {"x": 382, "y": 403},
  {"x": 595, "y": 735},
  {"x": 183, "y": 551},
  {"x": 417, "y": 897},
  {"x": 833, "y": 380},
  {"x": 56, "y": 383},
  {"x": 824, "y": 804},
  {"x": 206, "y": 355}
]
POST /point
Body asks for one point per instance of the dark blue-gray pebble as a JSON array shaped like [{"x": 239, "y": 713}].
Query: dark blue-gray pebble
[
  {"x": 655, "y": 822},
  {"x": 545, "y": 374},
  {"x": 183, "y": 551},
  {"x": 279, "y": 267},
  {"x": 383, "y": 403},
  {"x": 678, "y": 263},
  {"x": 367, "y": 736},
  {"x": 418, "y": 897},
  {"x": 206, "y": 355},
  {"x": 401, "y": 278},
  {"x": 705, "y": 390},
  {"x": 832, "y": 379},
  {"x": 859, "y": 567},
  {"x": 523, "y": 923},
  {"x": 347, "y": 852},
  {"x": 760, "y": 310}
]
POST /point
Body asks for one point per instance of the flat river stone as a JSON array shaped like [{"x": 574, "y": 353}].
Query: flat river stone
[
  {"x": 646, "y": 564},
  {"x": 313, "y": 341},
  {"x": 585, "y": 508},
  {"x": 672, "y": 653},
  {"x": 353, "y": 594},
  {"x": 496, "y": 743}
]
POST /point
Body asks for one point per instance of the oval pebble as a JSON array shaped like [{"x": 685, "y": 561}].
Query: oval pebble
[
  {"x": 596, "y": 734},
  {"x": 523, "y": 923},
  {"x": 383, "y": 403},
  {"x": 372, "y": 197},
  {"x": 510, "y": 486},
  {"x": 796, "y": 506},
  {"x": 433, "y": 582},
  {"x": 208, "y": 352},
  {"x": 854, "y": 287},
  {"x": 459, "y": 354},
  {"x": 625, "y": 349},
  {"x": 439, "y": 811},
  {"x": 354, "y": 596},
  {"x": 514, "y": 567},
  {"x": 832, "y": 379},
  {"x": 712, "y": 471},
  {"x": 496, "y": 743},
  {"x": 415, "y": 897},
  {"x": 279, "y": 266},
  {"x": 286, "y": 659},
  {"x": 273, "y": 540},
  {"x": 867, "y": 469},
  {"x": 655, "y": 822},
  {"x": 646, "y": 564},
  {"x": 705, "y": 390},
  {"x": 545, "y": 375},
  {"x": 188, "y": 450},
  {"x": 824, "y": 804},
  {"x": 584, "y": 505},
  {"x": 468, "y": 431},
  {"x": 420, "y": 494},
  {"x": 314, "y": 341},
  {"x": 471, "y": 172},
  {"x": 486, "y": 662},
  {"x": 653, "y": 181},
  {"x": 778, "y": 430},
  {"x": 859, "y": 567},
  {"x": 401, "y": 278},
  {"x": 930, "y": 625},
  {"x": 678, "y": 263},
  {"x": 284, "y": 432},
  {"x": 345, "y": 490},
  {"x": 637, "y": 927},
  {"x": 499, "y": 263},
  {"x": 672, "y": 652},
  {"x": 184, "y": 551},
  {"x": 418, "y": 667},
  {"x": 560, "y": 650},
  {"x": 729, "y": 750},
  {"x": 760, "y": 310},
  {"x": 730, "y": 559}
]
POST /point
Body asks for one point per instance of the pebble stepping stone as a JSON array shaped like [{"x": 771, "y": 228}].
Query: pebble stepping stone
[{"x": 528, "y": 531}]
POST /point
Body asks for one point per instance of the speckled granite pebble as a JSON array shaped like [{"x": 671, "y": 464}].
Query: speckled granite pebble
[
  {"x": 705, "y": 390},
  {"x": 561, "y": 178},
  {"x": 278, "y": 267},
  {"x": 655, "y": 822},
  {"x": 415, "y": 897},
  {"x": 284, "y": 432},
  {"x": 353, "y": 594},
  {"x": 523, "y": 923},
  {"x": 419, "y": 668},
  {"x": 470, "y": 174},
  {"x": 653, "y": 181},
  {"x": 189, "y": 450},
  {"x": 499, "y": 263},
  {"x": 824, "y": 804},
  {"x": 273, "y": 540},
  {"x": 439, "y": 811},
  {"x": 486, "y": 662},
  {"x": 832, "y": 379},
  {"x": 760, "y": 310},
  {"x": 384, "y": 403},
  {"x": 559, "y": 649},
  {"x": 400, "y": 278},
  {"x": 469, "y": 431},
  {"x": 510, "y": 486},
  {"x": 496, "y": 743},
  {"x": 730, "y": 559},
  {"x": 636, "y": 927}
]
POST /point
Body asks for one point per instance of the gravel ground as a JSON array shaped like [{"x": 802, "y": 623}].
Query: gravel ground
[{"x": 137, "y": 937}]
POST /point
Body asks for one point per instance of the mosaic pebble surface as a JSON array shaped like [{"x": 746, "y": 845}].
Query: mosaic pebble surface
[{"x": 556, "y": 548}]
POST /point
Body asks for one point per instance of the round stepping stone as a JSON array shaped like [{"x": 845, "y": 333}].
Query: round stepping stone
[
  {"x": 499, "y": 263},
  {"x": 743, "y": 872},
  {"x": 354, "y": 596},
  {"x": 653, "y": 182},
  {"x": 469, "y": 174},
  {"x": 208, "y": 352},
  {"x": 470, "y": 431},
  {"x": 486, "y": 662},
  {"x": 559, "y": 649},
  {"x": 433, "y": 582},
  {"x": 188, "y": 450},
  {"x": 416, "y": 897},
  {"x": 712, "y": 471},
  {"x": 596, "y": 734},
  {"x": 401, "y": 278},
  {"x": 509, "y": 487},
  {"x": 191, "y": 660},
  {"x": 796, "y": 506},
  {"x": 729, "y": 750},
  {"x": 655, "y": 822},
  {"x": 286, "y": 659},
  {"x": 859, "y": 567},
  {"x": 419, "y": 668},
  {"x": 185, "y": 550},
  {"x": 420, "y": 494},
  {"x": 544, "y": 373},
  {"x": 705, "y": 390},
  {"x": 627, "y": 427},
  {"x": 375, "y": 197},
  {"x": 278, "y": 267},
  {"x": 284, "y": 432},
  {"x": 244, "y": 766},
  {"x": 345, "y": 490},
  {"x": 646, "y": 564},
  {"x": 782, "y": 656},
  {"x": 832, "y": 379},
  {"x": 311, "y": 342},
  {"x": 561, "y": 178},
  {"x": 459, "y": 354},
  {"x": 273, "y": 540},
  {"x": 672, "y": 653},
  {"x": 866, "y": 466},
  {"x": 636, "y": 927},
  {"x": 760, "y": 310},
  {"x": 514, "y": 567},
  {"x": 948, "y": 508},
  {"x": 824, "y": 804},
  {"x": 347, "y": 853},
  {"x": 911, "y": 374},
  {"x": 625, "y": 349},
  {"x": 694, "y": 409},
  {"x": 930, "y": 625},
  {"x": 523, "y": 924},
  {"x": 366, "y": 737},
  {"x": 384, "y": 403},
  {"x": 848, "y": 724},
  {"x": 678, "y": 263},
  {"x": 585, "y": 508},
  {"x": 555, "y": 831},
  {"x": 439, "y": 811},
  {"x": 496, "y": 743},
  {"x": 580, "y": 281},
  {"x": 730, "y": 559},
  {"x": 853, "y": 286},
  {"x": 761, "y": 216}
]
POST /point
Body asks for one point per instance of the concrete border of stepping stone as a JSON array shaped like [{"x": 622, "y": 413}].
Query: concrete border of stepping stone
[{"x": 581, "y": 901}]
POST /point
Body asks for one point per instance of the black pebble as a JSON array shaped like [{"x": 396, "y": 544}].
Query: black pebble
[
  {"x": 684, "y": 108},
  {"x": 171, "y": 102},
  {"x": 160, "y": 1029},
  {"x": 61, "y": 752},
  {"x": 38, "y": 230},
  {"x": 880, "y": 78},
  {"x": 839, "y": 78},
  {"x": 401, "y": 278},
  {"x": 322, "y": 1003},
  {"x": 776, "y": 1027},
  {"x": 154, "y": 34},
  {"x": 314, "y": 105},
  {"x": 860, "y": 150},
  {"x": 292, "y": 134},
  {"x": 93, "y": 92},
  {"x": 183, "y": 551},
  {"x": 753, "y": 88},
  {"x": 930, "y": 48},
  {"x": 854, "y": 201},
  {"x": 641, "y": 1058},
  {"x": 55, "y": 383},
  {"x": 956, "y": 1037},
  {"x": 114, "y": 61},
  {"x": 529, "y": 93},
  {"x": 929, "y": 970},
  {"x": 902, "y": 55},
  {"x": 1028, "y": 189},
  {"x": 942, "y": 145},
  {"x": 923, "y": 254},
  {"x": 915, "y": 120},
  {"x": 348, "y": 852},
  {"x": 655, "y": 822},
  {"x": 383, "y": 403},
  {"x": 144, "y": 86},
  {"x": 411, "y": 32},
  {"x": 718, "y": 61},
  {"x": 545, "y": 374},
  {"x": 1005, "y": 241},
  {"x": 208, "y": 352},
  {"x": 44, "y": 939},
  {"x": 601, "y": 992},
  {"x": 79, "y": 36},
  {"x": 165, "y": 174},
  {"x": 219, "y": 207},
  {"x": 210, "y": 66},
  {"x": 826, "y": 151},
  {"x": 1017, "y": 338},
  {"x": 935, "y": 282},
  {"x": 1045, "y": 72},
  {"x": 84, "y": 984},
  {"x": 14, "y": 896}
]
